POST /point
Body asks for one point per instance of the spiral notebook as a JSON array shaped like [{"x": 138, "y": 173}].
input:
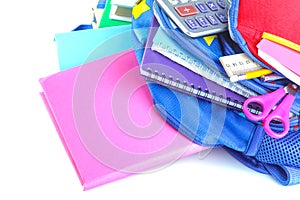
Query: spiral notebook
[
  {"x": 167, "y": 47},
  {"x": 159, "y": 69}
]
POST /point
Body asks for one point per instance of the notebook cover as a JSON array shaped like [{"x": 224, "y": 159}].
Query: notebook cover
[
  {"x": 104, "y": 115},
  {"x": 164, "y": 68},
  {"x": 289, "y": 58},
  {"x": 77, "y": 47}
]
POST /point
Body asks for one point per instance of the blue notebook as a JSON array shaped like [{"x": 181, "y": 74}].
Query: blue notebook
[{"x": 78, "y": 47}]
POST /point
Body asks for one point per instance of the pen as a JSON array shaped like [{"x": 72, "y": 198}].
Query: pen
[{"x": 250, "y": 75}]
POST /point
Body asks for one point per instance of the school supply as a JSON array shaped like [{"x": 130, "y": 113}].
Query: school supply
[
  {"x": 209, "y": 124},
  {"x": 106, "y": 21},
  {"x": 281, "y": 58},
  {"x": 169, "y": 48},
  {"x": 251, "y": 75},
  {"x": 197, "y": 18},
  {"x": 272, "y": 77},
  {"x": 241, "y": 67},
  {"x": 282, "y": 41},
  {"x": 162, "y": 70},
  {"x": 77, "y": 47},
  {"x": 109, "y": 146},
  {"x": 121, "y": 10},
  {"x": 282, "y": 99}
]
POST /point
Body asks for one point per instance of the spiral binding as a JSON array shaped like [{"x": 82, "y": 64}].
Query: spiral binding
[
  {"x": 198, "y": 91},
  {"x": 203, "y": 93}
]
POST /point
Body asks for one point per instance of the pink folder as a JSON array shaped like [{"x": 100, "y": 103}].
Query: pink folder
[{"x": 105, "y": 117}]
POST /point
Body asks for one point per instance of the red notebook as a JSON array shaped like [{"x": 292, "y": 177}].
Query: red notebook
[{"x": 104, "y": 114}]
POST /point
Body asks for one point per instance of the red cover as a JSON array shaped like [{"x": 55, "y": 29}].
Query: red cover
[{"x": 281, "y": 18}]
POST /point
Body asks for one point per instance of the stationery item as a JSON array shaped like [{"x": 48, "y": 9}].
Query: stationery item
[
  {"x": 282, "y": 41},
  {"x": 101, "y": 111},
  {"x": 120, "y": 13},
  {"x": 197, "y": 18},
  {"x": 172, "y": 50},
  {"x": 157, "y": 68},
  {"x": 121, "y": 10},
  {"x": 106, "y": 21},
  {"x": 241, "y": 67},
  {"x": 77, "y": 47},
  {"x": 251, "y": 75},
  {"x": 281, "y": 58},
  {"x": 285, "y": 97},
  {"x": 272, "y": 77}
]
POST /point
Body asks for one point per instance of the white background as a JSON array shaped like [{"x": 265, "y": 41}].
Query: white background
[{"x": 34, "y": 164}]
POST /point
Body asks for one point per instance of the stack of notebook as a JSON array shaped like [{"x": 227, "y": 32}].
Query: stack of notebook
[
  {"x": 103, "y": 111},
  {"x": 166, "y": 63},
  {"x": 281, "y": 57}
]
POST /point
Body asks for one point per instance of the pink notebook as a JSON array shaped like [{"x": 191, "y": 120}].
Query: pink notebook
[
  {"x": 281, "y": 58},
  {"x": 104, "y": 114}
]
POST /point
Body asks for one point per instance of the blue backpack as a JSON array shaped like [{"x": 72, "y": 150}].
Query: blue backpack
[{"x": 213, "y": 125}]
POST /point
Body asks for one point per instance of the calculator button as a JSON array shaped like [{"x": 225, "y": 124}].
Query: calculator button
[
  {"x": 191, "y": 23},
  {"x": 223, "y": 18},
  {"x": 212, "y": 6},
  {"x": 221, "y": 4},
  {"x": 173, "y": 2},
  {"x": 212, "y": 20},
  {"x": 202, "y": 21},
  {"x": 186, "y": 10},
  {"x": 202, "y": 7}
]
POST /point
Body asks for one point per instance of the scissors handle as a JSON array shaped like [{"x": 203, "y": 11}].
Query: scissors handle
[
  {"x": 266, "y": 101},
  {"x": 281, "y": 113}
]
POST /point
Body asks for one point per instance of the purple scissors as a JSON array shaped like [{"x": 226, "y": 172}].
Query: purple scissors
[{"x": 271, "y": 110}]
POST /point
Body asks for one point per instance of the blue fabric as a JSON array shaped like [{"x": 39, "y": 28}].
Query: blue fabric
[
  {"x": 284, "y": 151},
  {"x": 215, "y": 126},
  {"x": 203, "y": 122}
]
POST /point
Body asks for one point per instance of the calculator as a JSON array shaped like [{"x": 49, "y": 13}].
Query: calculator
[{"x": 197, "y": 18}]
